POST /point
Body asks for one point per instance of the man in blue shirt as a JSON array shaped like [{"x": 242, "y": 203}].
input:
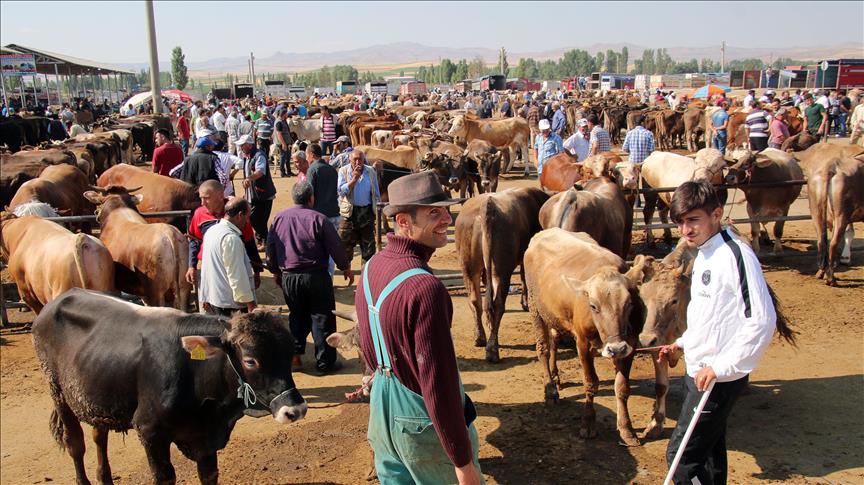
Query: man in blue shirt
[
  {"x": 559, "y": 120},
  {"x": 719, "y": 123},
  {"x": 358, "y": 195},
  {"x": 639, "y": 142},
  {"x": 547, "y": 144}
]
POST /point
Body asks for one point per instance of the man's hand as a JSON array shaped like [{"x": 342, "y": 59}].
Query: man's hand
[
  {"x": 257, "y": 279},
  {"x": 349, "y": 276},
  {"x": 251, "y": 306},
  {"x": 666, "y": 351},
  {"x": 468, "y": 474},
  {"x": 247, "y": 183},
  {"x": 190, "y": 276},
  {"x": 704, "y": 377}
]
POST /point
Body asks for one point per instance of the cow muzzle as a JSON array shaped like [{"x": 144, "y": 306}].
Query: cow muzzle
[
  {"x": 648, "y": 339},
  {"x": 289, "y": 406},
  {"x": 486, "y": 182},
  {"x": 453, "y": 180},
  {"x": 616, "y": 350}
]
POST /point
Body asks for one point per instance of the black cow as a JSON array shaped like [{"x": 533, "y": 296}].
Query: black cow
[{"x": 174, "y": 377}]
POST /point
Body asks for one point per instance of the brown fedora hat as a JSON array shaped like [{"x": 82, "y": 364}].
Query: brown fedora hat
[{"x": 417, "y": 189}]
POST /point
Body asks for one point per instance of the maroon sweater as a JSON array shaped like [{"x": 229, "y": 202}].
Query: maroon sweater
[{"x": 415, "y": 321}]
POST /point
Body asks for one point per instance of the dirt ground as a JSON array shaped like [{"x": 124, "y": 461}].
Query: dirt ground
[{"x": 801, "y": 421}]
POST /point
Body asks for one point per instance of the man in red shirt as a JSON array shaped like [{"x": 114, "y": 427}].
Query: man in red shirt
[
  {"x": 212, "y": 209},
  {"x": 167, "y": 155},
  {"x": 183, "y": 130}
]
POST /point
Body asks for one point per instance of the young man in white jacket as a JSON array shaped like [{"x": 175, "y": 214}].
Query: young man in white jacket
[{"x": 730, "y": 322}]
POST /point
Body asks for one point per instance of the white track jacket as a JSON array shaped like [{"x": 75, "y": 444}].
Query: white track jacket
[{"x": 731, "y": 318}]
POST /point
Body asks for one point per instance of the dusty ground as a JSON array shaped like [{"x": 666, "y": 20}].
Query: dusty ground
[{"x": 801, "y": 422}]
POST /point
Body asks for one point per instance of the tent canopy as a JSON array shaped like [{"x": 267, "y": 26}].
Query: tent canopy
[{"x": 46, "y": 62}]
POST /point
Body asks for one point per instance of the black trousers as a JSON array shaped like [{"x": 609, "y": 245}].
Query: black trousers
[
  {"x": 260, "y": 215},
  {"x": 359, "y": 229},
  {"x": 310, "y": 301},
  {"x": 758, "y": 143},
  {"x": 705, "y": 454},
  {"x": 327, "y": 146},
  {"x": 225, "y": 312}
]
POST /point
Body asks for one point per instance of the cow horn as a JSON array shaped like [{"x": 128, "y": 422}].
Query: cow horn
[
  {"x": 101, "y": 190},
  {"x": 135, "y": 189}
]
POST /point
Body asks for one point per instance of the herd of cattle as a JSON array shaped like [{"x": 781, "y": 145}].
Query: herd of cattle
[{"x": 570, "y": 238}]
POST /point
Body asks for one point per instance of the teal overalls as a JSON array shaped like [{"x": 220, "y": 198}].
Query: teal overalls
[{"x": 407, "y": 448}]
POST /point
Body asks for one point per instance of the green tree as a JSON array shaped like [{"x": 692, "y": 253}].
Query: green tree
[
  {"x": 476, "y": 67},
  {"x": 461, "y": 71},
  {"x": 625, "y": 57},
  {"x": 648, "y": 61},
  {"x": 611, "y": 60},
  {"x": 178, "y": 68},
  {"x": 599, "y": 59}
]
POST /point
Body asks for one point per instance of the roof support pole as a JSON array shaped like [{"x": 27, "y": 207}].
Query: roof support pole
[
  {"x": 57, "y": 80},
  {"x": 154, "y": 58},
  {"x": 3, "y": 88}
]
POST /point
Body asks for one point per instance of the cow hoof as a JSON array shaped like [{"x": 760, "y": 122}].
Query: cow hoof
[
  {"x": 820, "y": 274},
  {"x": 831, "y": 282},
  {"x": 846, "y": 262},
  {"x": 372, "y": 475},
  {"x": 492, "y": 356},
  {"x": 480, "y": 342},
  {"x": 629, "y": 439},
  {"x": 653, "y": 432}
]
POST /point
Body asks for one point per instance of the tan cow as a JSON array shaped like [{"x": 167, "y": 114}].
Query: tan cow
[
  {"x": 19, "y": 167},
  {"x": 492, "y": 233},
  {"x": 577, "y": 287},
  {"x": 509, "y": 133},
  {"x": 664, "y": 169},
  {"x": 382, "y": 139},
  {"x": 60, "y": 186},
  {"x": 151, "y": 258},
  {"x": 596, "y": 207},
  {"x": 402, "y": 156},
  {"x": 305, "y": 130},
  {"x": 160, "y": 193},
  {"x": 45, "y": 259}
]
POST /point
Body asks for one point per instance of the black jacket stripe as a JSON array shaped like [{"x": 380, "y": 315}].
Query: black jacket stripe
[{"x": 742, "y": 271}]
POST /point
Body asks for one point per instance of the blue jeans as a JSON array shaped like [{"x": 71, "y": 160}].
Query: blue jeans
[
  {"x": 336, "y": 221},
  {"x": 184, "y": 145},
  {"x": 720, "y": 141},
  {"x": 285, "y": 162}
]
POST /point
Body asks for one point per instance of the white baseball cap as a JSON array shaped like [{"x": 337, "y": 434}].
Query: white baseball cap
[
  {"x": 245, "y": 140},
  {"x": 544, "y": 124},
  {"x": 582, "y": 122}
]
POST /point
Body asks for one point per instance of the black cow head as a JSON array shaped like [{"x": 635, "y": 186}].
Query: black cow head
[
  {"x": 444, "y": 167},
  {"x": 259, "y": 348},
  {"x": 743, "y": 163}
]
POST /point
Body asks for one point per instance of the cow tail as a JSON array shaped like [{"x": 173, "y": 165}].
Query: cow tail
[
  {"x": 78, "y": 255},
  {"x": 782, "y": 323},
  {"x": 181, "y": 300},
  {"x": 58, "y": 429},
  {"x": 487, "y": 222},
  {"x": 607, "y": 121}
]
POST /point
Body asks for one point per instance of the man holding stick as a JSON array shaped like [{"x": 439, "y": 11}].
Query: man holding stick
[{"x": 730, "y": 322}]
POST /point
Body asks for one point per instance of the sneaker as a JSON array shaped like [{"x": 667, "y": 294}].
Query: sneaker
[
  {"x": 296, "y": 363},
  {"x": 331, "y": 369}
]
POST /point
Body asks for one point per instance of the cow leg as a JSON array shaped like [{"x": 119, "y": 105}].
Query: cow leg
[
  {"x": 103, "y": 468},
  {"x": 495, "y": 310},
  {"x": 661, "y": 388},
  {"x": 664, "y": 218},
  {"x": 208, "y": 470},
  {"x": 846, "y": 253},
  {"x": 754, "y": 229},
  {"x": 158, "y": 449},
  {"x": 841, "y": 221},
  {"x": 590, "y": 382},
  {"x": 817, "y": 212},
  {"x": 524, "y": 299},
  {"x": 472, "y": 285},
  {"x": 541, "y": 334},
  {"x": 66, "y": 427},
  {"x": 648, "y": 213},
  {"x": 778, "y": 235},
  {"x": 554, "y": 337},
  {"x": 622, "y": 395}
]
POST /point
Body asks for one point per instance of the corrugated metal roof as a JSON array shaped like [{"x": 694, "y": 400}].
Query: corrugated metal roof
[{"x": 46, "y": 60}]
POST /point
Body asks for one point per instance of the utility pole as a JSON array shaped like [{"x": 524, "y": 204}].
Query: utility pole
[
  {"x": 155, "y": 90},
  {"x": 252, "y": 69},
  {"x": 723, "y": 56}
]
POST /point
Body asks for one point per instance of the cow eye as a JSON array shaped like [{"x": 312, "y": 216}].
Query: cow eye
[
  {"x": 675, "y": 301},
  {"x": 250, "y": 363},
  {"x": 594, "y": 308}
]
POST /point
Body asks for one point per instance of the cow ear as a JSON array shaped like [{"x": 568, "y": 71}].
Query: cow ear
[
  {"x": 763, "y": 161},
  {"x": 94, "y": 197},
  {"x": 578, "y": 286},
  {"x": 138, "y": 198},
  {"x": 200, "y": 347},
  {"x": 640, "y": 270}
]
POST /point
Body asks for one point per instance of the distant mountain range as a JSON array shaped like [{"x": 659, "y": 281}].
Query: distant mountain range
[{"x": 390, "y": 56}]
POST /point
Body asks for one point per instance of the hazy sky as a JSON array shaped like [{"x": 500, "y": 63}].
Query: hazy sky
[{"x": 116, "y": 31}]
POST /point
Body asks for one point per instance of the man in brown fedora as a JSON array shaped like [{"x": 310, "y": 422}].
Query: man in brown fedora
[{"x": 420, "y": 421}]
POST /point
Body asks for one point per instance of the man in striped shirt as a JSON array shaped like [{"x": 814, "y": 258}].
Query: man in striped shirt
[
  {"x": 264, "y": 129},
  {"x": 639, "y": 142},
  {"x": 599, "y": 139},
  {"x": 756, "y": 125},
  {"x": 328, "y": 130}
]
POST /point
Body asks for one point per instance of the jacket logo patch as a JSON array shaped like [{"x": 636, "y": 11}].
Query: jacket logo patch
[{"x": 706, "y": 276}]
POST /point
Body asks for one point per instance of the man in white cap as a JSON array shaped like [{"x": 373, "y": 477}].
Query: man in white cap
[
  {"x": 258, "y": 184},
  {"x": 547, "y": 144},
  {"x": 578, "y": 143}
]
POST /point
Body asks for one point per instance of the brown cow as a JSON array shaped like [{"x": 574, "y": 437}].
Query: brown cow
[
  {"x": 488, "y": 159},
  {"x": 151, "y": 259},
  {"x": 576, "y": 286},
  {"x": 768, "y": 166},
  {"x": 406, "y": 157},
  {"x": 510, "y": 133},
  {"x": 826, "y": 166},
  {"x": 598, "y": 208},
  {"x": 160, "y": 193},
  {"x": 560, "y": 172},
  {"x": 45, "y": 259},
  {"x": 17, "y": 168},
  {"x": 60, "y": 186},
  {"x": 510, "y": 218},
  {"x": 693, "y": 127}
]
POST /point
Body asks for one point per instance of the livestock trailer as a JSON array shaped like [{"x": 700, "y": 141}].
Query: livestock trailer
[
  {"x": 243, "y": 89},
  {"x": 346, "y": 87},
  {"x": 296, "y": 91},
  {"x": 376, "y": 87},
  {"x": 493, "y": 82},
  {"x": 840, "y": 74},
  {"x": 464, "y": 86},
  {"x": 570, "y": 84},
  {"x": 413, "y": 87},
  {"x": 609, "y": 82},
  {"x": 222, "y": 93},
  {"x": 275, "y": 88},
  {"x": 550, "y": 85}
]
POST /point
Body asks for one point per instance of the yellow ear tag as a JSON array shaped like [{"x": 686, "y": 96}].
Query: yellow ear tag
[{"x": 198, "y": 353}]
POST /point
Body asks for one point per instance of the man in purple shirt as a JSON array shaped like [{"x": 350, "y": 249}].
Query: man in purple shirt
[{"x": 299, "y": 245}]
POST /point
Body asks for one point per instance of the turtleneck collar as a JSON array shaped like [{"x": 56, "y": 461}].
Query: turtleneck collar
[{"x": 401, "y": 245}]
